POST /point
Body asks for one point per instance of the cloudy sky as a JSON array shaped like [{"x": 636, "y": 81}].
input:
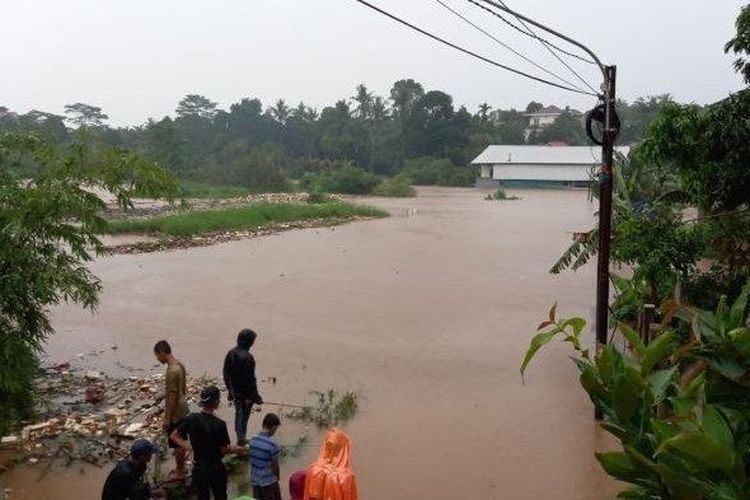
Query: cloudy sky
[{"x": 136, "y": 59}]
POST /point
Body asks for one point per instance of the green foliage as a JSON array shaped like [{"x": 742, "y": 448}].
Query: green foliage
[
  {"x": 85, "y": 115},
  {"x": 345, "y": 178},
  {"x": 678, "y": 405},
  {"x": 318, "y": 197},
  {"x": 258, "y": 169},
  {"x": 195, "y": 189},
  {"x": 567, "y": 128},
  {"x": 191, "y": 223},
  {"x": 50, "y": 224},
  {"x": 430, "y": 171},
  {"x": 331, "y": 408},
  {"x": 258, "y": 147},
  {"x": 709, "y": 149},
  {"x": 500, "y": 194},
  {"x": 740, "y": 44},
  {"x": 398, "y": 186}
]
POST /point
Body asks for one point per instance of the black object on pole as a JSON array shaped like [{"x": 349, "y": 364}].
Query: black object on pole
[{"x": 605, "y": 206}]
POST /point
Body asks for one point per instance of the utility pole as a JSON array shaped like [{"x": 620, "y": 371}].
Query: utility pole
[{"x": 605, "y": 206}]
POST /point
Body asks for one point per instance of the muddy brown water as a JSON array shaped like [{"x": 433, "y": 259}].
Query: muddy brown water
[{"x": 427, "y": 314}]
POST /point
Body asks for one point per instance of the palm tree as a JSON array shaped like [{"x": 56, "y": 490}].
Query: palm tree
[
  {"x": 364, "y": 100},
  {"x": 280, "y": 112}
]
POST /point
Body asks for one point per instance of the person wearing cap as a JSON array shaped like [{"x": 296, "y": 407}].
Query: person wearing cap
[
  {"x": 209, "y": 440},
  {"x": 125, "y": 481},
  {"x": 239, "y": 377}
]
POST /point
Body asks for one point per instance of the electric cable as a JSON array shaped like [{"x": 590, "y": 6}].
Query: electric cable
[
  {"x": 522, "y": 31},
  {"x": 470, "y": 53},
  {"x": 544, "y": 44},
  {"x": 503, "y": 44}
]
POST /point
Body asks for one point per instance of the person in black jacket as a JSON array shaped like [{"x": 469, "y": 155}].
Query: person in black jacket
[
  {"x": 239, "y": 377},
  {"x": 125, "y": 481}
]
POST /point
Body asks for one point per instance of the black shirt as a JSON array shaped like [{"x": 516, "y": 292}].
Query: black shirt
[
  {"x": 125, "y": 482},
  {"x": 239, "y": 374},
  {"x": 208, "y": 435}
]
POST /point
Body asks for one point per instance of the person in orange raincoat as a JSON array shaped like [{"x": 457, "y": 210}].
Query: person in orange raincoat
[{"x": 331, "y": 477}]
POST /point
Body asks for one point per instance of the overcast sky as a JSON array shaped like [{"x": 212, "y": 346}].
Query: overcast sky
[{"x": 137, "y": 58}]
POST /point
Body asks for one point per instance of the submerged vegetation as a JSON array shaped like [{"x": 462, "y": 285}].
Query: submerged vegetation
[
  {"x": 331, "y": 408},
  {"x": 501, "y": 195}
]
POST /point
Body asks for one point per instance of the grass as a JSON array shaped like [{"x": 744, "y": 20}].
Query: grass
[
  {"x": 194, "y": 189},
  {"x": 197, "y": 222}
]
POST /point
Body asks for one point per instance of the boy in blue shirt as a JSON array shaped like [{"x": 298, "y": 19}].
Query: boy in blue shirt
[{"x": 264, "y": 461}]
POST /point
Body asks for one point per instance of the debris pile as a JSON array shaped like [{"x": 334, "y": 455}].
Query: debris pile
[{"x": 87, "y": 416}]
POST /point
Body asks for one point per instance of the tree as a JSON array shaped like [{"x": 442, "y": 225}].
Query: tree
[
  {"x": 50, "y": 225},
  {"x": 85, "y": 115},
  {"x": 534, "y": 107},
  {"x": 365, "y": 102},
  {"x": 404, "y": 95},
  {"x": 379, "y": 109},
  {"x": 280, "y": 112},
  {"x": 195, "y": 105},
  {"x": 483, "y": 112},
  {"x": 567, "y": 128},
  {"x": 740, "y": 44},
  {"x": 709, "y": 148}
]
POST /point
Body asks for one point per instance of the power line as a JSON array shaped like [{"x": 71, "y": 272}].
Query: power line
[
  {"x": 545, "y": 45},
  {"x": 500, "y": 42},
  {"x": 470, "y": 53},
  {"x": 524, "y": 32}
]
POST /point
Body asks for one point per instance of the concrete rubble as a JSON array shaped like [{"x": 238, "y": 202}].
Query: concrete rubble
[{"x": 90, "y": 417}]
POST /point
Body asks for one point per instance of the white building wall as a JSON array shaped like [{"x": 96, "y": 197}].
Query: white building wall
[{"x": 546, "y": 172}]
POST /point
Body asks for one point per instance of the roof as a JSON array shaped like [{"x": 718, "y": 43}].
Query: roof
[
  {"x": 553, "y": 111},
  {"x": 555, "y": 155}
]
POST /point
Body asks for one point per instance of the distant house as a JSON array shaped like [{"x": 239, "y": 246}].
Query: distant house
[
  {"x": 546, "y": 117},
  {"x": 538, "y": 166}
]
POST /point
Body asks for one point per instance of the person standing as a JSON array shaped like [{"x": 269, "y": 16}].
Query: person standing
[
  {"x": 239, "y": 377},
  {"x": 125, "y": 481},
  {"x": 175, "y": 401},
  {"x": 264, "y": 461},
  {"x": 209, "y": 440}
]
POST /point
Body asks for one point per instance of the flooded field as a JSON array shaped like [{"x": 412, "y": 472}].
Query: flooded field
[{"x": 427, "y": 314}]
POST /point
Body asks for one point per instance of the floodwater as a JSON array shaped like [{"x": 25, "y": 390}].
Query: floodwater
[{"x": 427, "y": 314}]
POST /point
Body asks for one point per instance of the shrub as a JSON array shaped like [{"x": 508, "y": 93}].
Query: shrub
[
  {"x": 346, "y": 178},
  {"x": 397, "y": 187},
  {"x": 429, "y": 171},
  {"x": 500, "y": 194},
  {"x": 678, "y": 404},
  {"x": 317, "y": 197},
  {"x": 254, "y": 168}
]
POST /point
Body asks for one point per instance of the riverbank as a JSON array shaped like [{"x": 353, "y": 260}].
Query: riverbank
[
  {"x": 196, "y": 228},
  {"x": 427, "y": 313}
]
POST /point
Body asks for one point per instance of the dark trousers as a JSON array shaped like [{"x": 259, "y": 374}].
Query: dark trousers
[
  {"x": 270, "y": 492},
  {"x": 242, "y": 409},
  {"x": 210, "y": 479}
]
